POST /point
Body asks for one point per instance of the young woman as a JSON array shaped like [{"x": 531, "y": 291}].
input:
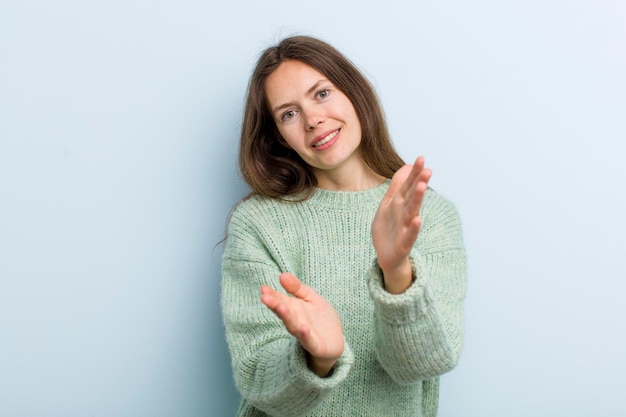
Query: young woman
[{"x": 370, "y": 260}]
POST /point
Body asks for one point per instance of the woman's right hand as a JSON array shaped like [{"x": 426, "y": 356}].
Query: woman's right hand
[{"x": 310, "y": 319}]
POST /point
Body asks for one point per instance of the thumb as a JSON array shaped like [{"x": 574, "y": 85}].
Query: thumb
[
  {"x": 396, "y": 183},
  {"x": 293, "y": 286}
]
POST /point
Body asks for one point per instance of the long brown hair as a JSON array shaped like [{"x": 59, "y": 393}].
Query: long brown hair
[{"x": 267, "y": 164}]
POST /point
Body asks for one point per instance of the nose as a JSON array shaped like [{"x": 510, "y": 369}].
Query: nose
[{"x": 313, "y": 120}]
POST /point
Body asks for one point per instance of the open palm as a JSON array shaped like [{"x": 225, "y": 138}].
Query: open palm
[
  {"x": 309, "y": 318},
  {"x": 397, "y": 222}
]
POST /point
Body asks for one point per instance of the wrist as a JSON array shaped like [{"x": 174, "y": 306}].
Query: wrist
[
  {"x": 321, "y": 367},
  {"x": 398, "y": 279}
]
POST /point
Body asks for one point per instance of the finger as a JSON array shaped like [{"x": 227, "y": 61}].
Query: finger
[
  {"x": 289, "y": 318},
  {"x": 295, "y": 326},
  {"x": 286, "y": 314},
  {"x": 396, "y": 182},
  {"x": 280, "y": 305},
  {"x": 305, "y": 336},
  {"x": 410, "y": 236},
  {"x": 293, "y": 286},
  {"x": 414, "y": 203},
  {"x": 413, "y": 176},
  {"x": 270, "y": 297},
  {"x": 425, "y": 175}
]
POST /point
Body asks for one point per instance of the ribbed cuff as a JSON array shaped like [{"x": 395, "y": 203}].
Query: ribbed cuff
[
  {"x": 299, "y": 367},
  {"x": 402, "y": 308}
]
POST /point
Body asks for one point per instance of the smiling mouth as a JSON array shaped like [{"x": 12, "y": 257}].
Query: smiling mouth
[{"x": 326, "y": 139}]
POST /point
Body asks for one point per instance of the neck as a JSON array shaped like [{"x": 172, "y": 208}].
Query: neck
[{"x": 348, "y": 178}]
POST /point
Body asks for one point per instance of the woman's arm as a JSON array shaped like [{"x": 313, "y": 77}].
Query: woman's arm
[
  {"x": 397, "y": 223},
  {"x": 419, "y": 329},
  {"x": 271, "y": 368}
]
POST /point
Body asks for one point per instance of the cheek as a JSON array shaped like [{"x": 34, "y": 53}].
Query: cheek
[
  {"x": 354, "y": 118},
  {"x": 289, "y": 136},
  {"x": 350, "y": 112}
]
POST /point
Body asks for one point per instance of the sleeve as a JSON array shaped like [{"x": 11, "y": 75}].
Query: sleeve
[
  {"x": 419, "y": 333},
  {"x": 270, "y": 367}
]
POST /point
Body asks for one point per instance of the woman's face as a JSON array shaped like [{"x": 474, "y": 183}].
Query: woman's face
[{"x": 315, "y": 118}]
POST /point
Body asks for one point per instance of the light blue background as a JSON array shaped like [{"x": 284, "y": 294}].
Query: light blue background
[{"x": 119, "y": 124}]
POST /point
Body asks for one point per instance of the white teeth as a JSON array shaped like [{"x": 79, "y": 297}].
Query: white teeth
[{"x": 326, "y": 139}]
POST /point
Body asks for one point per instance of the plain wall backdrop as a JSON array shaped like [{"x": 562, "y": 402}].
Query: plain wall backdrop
[{"x": 119, "y": 125}]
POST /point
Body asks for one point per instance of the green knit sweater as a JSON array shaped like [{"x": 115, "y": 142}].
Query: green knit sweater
[{"x": 396, "y": 345}]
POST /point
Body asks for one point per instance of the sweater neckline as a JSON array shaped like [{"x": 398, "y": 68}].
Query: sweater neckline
[{"x": 349, "y": 200}]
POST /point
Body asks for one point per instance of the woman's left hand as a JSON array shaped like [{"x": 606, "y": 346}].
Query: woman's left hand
[{"x": 397, "y": 224}]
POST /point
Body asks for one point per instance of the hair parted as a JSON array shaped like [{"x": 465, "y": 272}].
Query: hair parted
[{"x": 274, "y": 170}]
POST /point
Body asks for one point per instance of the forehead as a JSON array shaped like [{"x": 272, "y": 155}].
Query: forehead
[{"x": 290, "y": 81}]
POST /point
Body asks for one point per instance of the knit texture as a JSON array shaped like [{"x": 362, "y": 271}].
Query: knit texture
[{"x": 396, "y": 345}]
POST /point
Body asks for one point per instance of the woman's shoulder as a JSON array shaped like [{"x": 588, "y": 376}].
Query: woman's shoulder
[
  {"x": 258, "y": 211},
  {"x": 433, "y": 200},
  {"x": 441, "y": 225},
  {"x": 437, "y": 208},
  {"x": 257, "y": 204}
]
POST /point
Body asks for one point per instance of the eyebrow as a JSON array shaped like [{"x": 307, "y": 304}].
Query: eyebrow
[{"x": 309, "y": 91}]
